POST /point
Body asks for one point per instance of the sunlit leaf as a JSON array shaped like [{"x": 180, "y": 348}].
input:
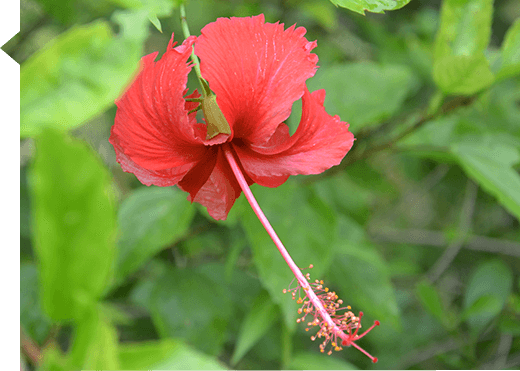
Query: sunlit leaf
[
  {"x": 95, "y": 343},
  {"x": 460, "y": 66},
  {"x": 80, "y": 73},
  {"x": 74, "y": 224},
  {"x": 53, "y": 359},
  {"x": 465, "y": 28},
  {"x": 510, "y": 65},
  {"x": 462, "y": 74}
]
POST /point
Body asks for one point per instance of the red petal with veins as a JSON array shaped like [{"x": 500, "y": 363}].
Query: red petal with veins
[
  {"x": 152, "y": 131},
  {"x": 257, "y": 70},
  {"x": 320, "y": 142},
  {"x": 220, "y": 190}
]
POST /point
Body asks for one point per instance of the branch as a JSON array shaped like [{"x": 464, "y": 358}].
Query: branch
[
  {"x": 30, "y": 348},
  {"x": 464, "y": 225},
  {"x": 438, "y": 239}
]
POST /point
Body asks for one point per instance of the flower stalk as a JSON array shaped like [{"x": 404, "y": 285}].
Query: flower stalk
[
  {"x": 330, "y": 328},
  {"x": 194, "y": 58}
]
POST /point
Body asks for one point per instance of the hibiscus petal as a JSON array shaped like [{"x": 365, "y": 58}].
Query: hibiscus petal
[
  {"x": 257, "y": 70},
  {"x": 161, "y": 178},
  {"x": 200, "y": 173},
  {"x": 320, "y": 142},
  {"x": 220, "y": 191},
  {"x": 152, "y": 126}
]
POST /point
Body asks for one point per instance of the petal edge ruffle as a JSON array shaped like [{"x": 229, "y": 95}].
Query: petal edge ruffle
[
  {"x": 152, "y": 126},
  {"x": 220, "y": 191},
  {"x": 320, "y": 142},
  {"x": 257, "y": 70}
]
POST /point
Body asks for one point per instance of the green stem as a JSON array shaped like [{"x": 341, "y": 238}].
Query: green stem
[{"x": 194, "y": 58}]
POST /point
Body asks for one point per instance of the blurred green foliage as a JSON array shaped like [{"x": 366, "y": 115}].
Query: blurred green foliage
[{"x": 418, "y": 227}]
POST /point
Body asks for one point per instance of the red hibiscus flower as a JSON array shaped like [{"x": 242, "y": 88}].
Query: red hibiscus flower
[{"x": 257, "y": 71}]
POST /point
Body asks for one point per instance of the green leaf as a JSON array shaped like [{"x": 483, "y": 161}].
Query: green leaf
[
  {"x": 318, "y": 361},
  {"x": 494, "y": 116},
  {"x": 95, "y": 343},
  {"x": 74, "y": 230},
  {"x": 490, "y": 164},
  {"x": 258, "y": 321},
  {"x": 322, "y": 12},
  {"x": 374, "y": 6},
  {"x": 306, "y": 226},
  {"x": 484, "y": 304},
  {"x": 155, "y": 9},
  {"x": 33, "y": 320},
  {"x": 63, "y": 10},
  {"x": 431, "y": 300},
  {"x": 79, "y": 74},
  {"x": 460, "y": 66},
  {"x": 53, "y": 359},
  {"x": 149, "y": 220},
  {"x": 241, "y": 288},
  {"x": 486, "y": 294},
  {"x": 365, "y": 94},
  {"x": 183, "y": 305},
  {"x": 68, "y": 12},
  {"x": 465, "y": 28},
  {"x": 156, "y": 22},
  {"x": 463, "y": 75},
  {"x": 168, "y": 354},
  {"x": 346, "y": 196},
  {"x": 360, "y": 274},
  {"x": 510, "y": 65}
]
